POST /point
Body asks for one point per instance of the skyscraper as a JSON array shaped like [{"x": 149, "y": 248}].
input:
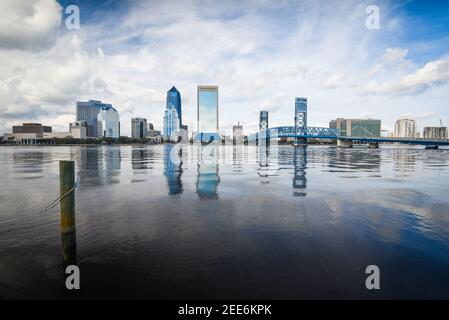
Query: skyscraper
[
  {"x": 88, "y": 111},
  {"x": 207, "y": 114},
  {"x": 171, "y": 124},
  {"x": 139, "y": 128},
  {"x": 174, "y": 99},
  {"x": 108, "y": 124}
]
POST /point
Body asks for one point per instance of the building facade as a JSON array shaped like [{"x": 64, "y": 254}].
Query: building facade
[
  {"x": 88, "y": 111},
  {"x": 33, "y": 128},
  {"x": 139, "y": 128},
  {"x": 405, "y": 128},
  {"x": 207, "y": 114},
  {"x": 171, "y": 124},
  {"x": 78, "y": 129},
  {"x": 108, "y": 124},
  {"x": 174, "y": 99},
  {"x": 435, "y": 133},
  {"x": 357, "y": 127},
  {"x": 237, "y": 133}
]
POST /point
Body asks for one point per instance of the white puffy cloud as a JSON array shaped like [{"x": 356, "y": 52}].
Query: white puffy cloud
[
  {"x": 28, "y": 24},
  {"x": 432, "y": 74}
]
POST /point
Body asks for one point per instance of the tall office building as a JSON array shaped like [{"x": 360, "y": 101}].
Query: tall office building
[
  {"x": 237, "y": 133},
  {"x": 357, "y": 127},
  {"x": 435, "y": 133},
  {"x": 171, "y": 124},
  {"x": 207, "y": 114},
  {"x": 405, "y": 128},
  {"x": 139, "y": 128},
  {"x": 174, "y": 99},
  {"x": 88, "y": 111},
  {"x": 108, "y": 124}
]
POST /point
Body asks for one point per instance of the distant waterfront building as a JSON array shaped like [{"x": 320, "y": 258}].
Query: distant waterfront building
[
  {"x": 174, "y": 99},
  {"x": 88, "y": 111},
  {"x": 33, "y": 133},
  {"x": 78, "y": 129},
  {"x": 435, "y": 133},
  {"x": 36, "y": 128},
  {"x": 185, "y": 132},
  {"x": 405, "y": 128},
  {"x": 153, "y": 133},
  {"x": 139, "y": 128},
  {"x": 171, "y": 124},
  {"x": 108, "y": 124},
  {"x": 59, "y": 135},
  {"x": 237, "y": 133},
  {"x": 207, "y": 114},
  {"x": 357, "y": 127}
]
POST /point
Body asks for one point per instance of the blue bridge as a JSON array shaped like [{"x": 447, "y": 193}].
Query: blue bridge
[
  {"x": 301, "y": 132},
  {"x": 333, "y": 134}
]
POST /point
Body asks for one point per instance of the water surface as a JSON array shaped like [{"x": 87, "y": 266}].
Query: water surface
[{"x": 228, "y": 222}]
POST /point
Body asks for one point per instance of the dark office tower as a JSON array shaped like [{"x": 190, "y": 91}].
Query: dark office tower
[{"x": 174, "y": 99}]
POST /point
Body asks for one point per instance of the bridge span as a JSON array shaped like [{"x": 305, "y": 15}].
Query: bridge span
[{"x": 333, "y": 134}]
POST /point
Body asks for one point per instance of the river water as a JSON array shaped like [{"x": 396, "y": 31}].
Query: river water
[{"x": 228, "y": 222}]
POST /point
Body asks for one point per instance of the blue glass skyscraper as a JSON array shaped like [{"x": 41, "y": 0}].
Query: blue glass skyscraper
[{"x": 174, "y": 99}]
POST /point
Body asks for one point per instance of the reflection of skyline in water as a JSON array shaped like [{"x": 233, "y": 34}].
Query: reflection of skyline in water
[
  {"x": 173, "y": 171},
  {"x": 154, "y": 244},
  {"x": 300, "y": 168},
  {"x": 207, "y": 173},
  {"x": 98, "y": 166}
]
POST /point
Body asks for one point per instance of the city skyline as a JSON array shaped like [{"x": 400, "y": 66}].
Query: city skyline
[{"x": 400, "y": 70}]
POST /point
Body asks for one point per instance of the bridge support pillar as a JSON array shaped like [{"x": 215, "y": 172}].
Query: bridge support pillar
[
  {"x": 373, "y": 145},
  {"x": 344, "y": 143}
]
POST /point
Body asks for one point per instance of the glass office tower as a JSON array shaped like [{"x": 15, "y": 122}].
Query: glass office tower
[
  {"x": 174, "y": 99},
  {"x": 207, "y": 113}
]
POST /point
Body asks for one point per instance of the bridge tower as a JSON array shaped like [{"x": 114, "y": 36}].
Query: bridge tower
[
  {"x": 263, "y": 126},
  {"x": 300, "y": 120}
]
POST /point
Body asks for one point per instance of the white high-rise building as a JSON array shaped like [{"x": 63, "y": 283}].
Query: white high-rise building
[
  {"x": 405, "y": 128},
  {"x": 171, "y": 124},
  {"x": 108, "y": 123}
]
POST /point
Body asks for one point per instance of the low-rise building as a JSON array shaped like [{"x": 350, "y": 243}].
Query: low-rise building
[
  {"x": 357, "y": 127},
  {"x": 435, "y": 133},
  {"x": 78, "y": 129}
]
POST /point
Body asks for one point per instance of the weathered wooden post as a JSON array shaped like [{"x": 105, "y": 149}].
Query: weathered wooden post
[{"x": 67, "y": 204}]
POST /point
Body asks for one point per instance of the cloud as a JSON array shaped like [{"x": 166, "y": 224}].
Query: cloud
[
  {"x": 432, "y": 74},
  {"x": 420, "y": 115},
  {"x": 28, "y": 24}
]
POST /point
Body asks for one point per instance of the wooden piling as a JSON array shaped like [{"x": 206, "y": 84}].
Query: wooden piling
[{"x": 67, "y": 205}]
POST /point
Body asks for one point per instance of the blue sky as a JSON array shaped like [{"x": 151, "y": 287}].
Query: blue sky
[{"x": 261, "y": 54}]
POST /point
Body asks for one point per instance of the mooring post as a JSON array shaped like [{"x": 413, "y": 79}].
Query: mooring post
[{"x": 67, "y": 204}]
